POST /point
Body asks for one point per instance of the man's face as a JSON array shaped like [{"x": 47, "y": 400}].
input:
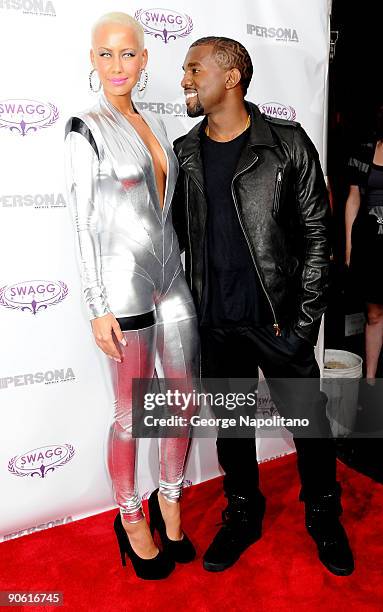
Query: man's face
[{"x": 203, "y": 82}]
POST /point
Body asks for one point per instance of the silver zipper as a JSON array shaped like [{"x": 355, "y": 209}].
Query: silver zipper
[
  {"x": 277, "y": 191},
  {"x": 275, "y": 324}
]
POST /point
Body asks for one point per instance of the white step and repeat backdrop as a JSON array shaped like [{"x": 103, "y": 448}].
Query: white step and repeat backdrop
[{"x": 55, "y": 395}]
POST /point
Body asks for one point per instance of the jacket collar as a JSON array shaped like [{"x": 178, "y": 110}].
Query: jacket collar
[{"x": 260, "y": 134}]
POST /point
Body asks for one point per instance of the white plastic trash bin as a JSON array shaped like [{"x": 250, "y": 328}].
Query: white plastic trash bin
[{"x": 341, "y": 373}]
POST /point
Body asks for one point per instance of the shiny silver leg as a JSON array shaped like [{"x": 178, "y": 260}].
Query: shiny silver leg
[
  {"x": 138, "y": 362},
  {"x": 175, "y": 339},
  {"x": 179, "y": 353}
]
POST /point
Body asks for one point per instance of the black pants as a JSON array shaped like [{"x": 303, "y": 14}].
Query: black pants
[{"x": 237, "y": 353}]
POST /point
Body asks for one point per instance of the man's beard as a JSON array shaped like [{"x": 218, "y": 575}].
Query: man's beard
[{"x": 197, "y": 110}]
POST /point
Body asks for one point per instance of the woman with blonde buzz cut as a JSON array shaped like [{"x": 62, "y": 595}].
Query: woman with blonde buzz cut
[{"x": 121, "y": 174}]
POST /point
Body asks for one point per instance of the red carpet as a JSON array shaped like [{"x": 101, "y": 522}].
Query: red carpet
[{"x": 280, "y": 572}]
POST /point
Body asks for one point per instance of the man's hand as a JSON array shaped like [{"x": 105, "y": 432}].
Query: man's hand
[{"x": 105, "y": 330}]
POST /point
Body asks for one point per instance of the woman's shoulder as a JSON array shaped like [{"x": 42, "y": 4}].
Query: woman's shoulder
[
  {"x": 85, "y": 123},
  {"x": 84, "y": 117}
]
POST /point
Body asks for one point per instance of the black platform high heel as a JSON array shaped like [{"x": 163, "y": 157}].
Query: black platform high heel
[
  {"x": 181, "y": 551},
  {"x": 148, "y": 569}
]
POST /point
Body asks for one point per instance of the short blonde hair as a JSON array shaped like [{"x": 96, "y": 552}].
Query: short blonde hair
[{"x": 124, "y": 19}]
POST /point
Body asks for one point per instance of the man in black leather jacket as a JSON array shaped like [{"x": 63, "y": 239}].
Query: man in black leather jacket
[{"x": 251, "y": 212}]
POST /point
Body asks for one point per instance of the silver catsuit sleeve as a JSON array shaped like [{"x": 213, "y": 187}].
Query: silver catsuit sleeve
[{"x": 82, "y": 175}]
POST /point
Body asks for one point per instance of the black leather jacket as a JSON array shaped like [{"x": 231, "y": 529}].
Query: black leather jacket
[{"x": 282, "y": 205}]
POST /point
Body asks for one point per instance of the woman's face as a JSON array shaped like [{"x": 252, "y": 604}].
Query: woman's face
[{"x": 117, "y": 57}]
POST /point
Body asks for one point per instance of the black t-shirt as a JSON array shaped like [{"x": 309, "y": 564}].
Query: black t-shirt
[
  {"x": 232, "y": 293},
  {"x": 375, "y": 186}
]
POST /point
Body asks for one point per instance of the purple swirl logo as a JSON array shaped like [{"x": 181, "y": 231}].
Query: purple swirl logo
[
  {"x": 41, "y": 461},
  {"x": 164, "y": 23},
  {"x": 33, "y": 296},
  {"x": 25, "y": 117},
  {"x": 279, "y": 111}
]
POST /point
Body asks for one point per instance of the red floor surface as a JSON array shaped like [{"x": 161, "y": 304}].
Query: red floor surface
[{"x": 280, "y": 572}]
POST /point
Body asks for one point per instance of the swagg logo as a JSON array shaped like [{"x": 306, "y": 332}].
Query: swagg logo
[
  {"x": 40, "y": 461},
  {"x": 164, "y": 23},
  {"x": 33, "y": 296},
  {"x": 280, "y": 111},
  {"x": 27, "y": 116}
]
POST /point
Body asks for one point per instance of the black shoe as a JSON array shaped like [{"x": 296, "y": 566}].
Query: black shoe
[
  {"x": 182, "y": 550},
  {"x": 322, "y": 523},
  {"x": 149, "y": 569},
  {"x": 241, "y": 527}
]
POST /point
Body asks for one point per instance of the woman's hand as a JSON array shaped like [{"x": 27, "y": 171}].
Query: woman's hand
[{"x": 105, "y": 330}]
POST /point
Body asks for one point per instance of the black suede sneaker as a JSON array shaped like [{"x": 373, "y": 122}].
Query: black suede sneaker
[
  {"x": 241, "y": 527},
  {"x": 324, "y": 526},
  {"x": 333, "y": 548}
]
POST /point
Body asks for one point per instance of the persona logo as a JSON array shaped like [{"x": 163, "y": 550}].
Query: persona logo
[
  {"x": 41, "y": 461},
  {"x": 17, "y": 534},
  {"x": 33, "y": 296},
  {"x": 25, "y": 117},
  {"x": 37, "y": 200},
  {"x": 277, "y": 110},
  {"x": 163, "y": 108},
  {"x": 279, "y": 34},
  {"x": 164, "y": 23},
  {"x": 49, "y": 377},
  {"x": 275, "y": 456},
  {"x": 32, "y": 7}
]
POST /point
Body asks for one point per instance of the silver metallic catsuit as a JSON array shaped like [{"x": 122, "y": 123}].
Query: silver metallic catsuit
[{"x": 130, "y": 265}]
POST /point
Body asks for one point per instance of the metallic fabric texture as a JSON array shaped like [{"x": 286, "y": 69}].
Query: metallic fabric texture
[
  {"x": 130, "y": 265},
  {"x": 128, "y": 248}
]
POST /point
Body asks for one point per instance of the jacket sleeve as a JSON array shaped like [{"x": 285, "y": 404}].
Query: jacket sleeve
[
  {"x": 314, "y": 212},
  {"x": 82, "y": 170},
  {"x": 179, "y": 213}
]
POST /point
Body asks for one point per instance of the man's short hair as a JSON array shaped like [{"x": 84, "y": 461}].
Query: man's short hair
[{"x": 228, "y": 54}]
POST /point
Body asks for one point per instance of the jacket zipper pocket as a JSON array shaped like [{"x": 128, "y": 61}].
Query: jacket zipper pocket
[
  {"x": 188, "y": 230},
  {"x": 277, "y": 329},
  {"x": 188, "y": 224},
  {"x": 277, "y": 192}
]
